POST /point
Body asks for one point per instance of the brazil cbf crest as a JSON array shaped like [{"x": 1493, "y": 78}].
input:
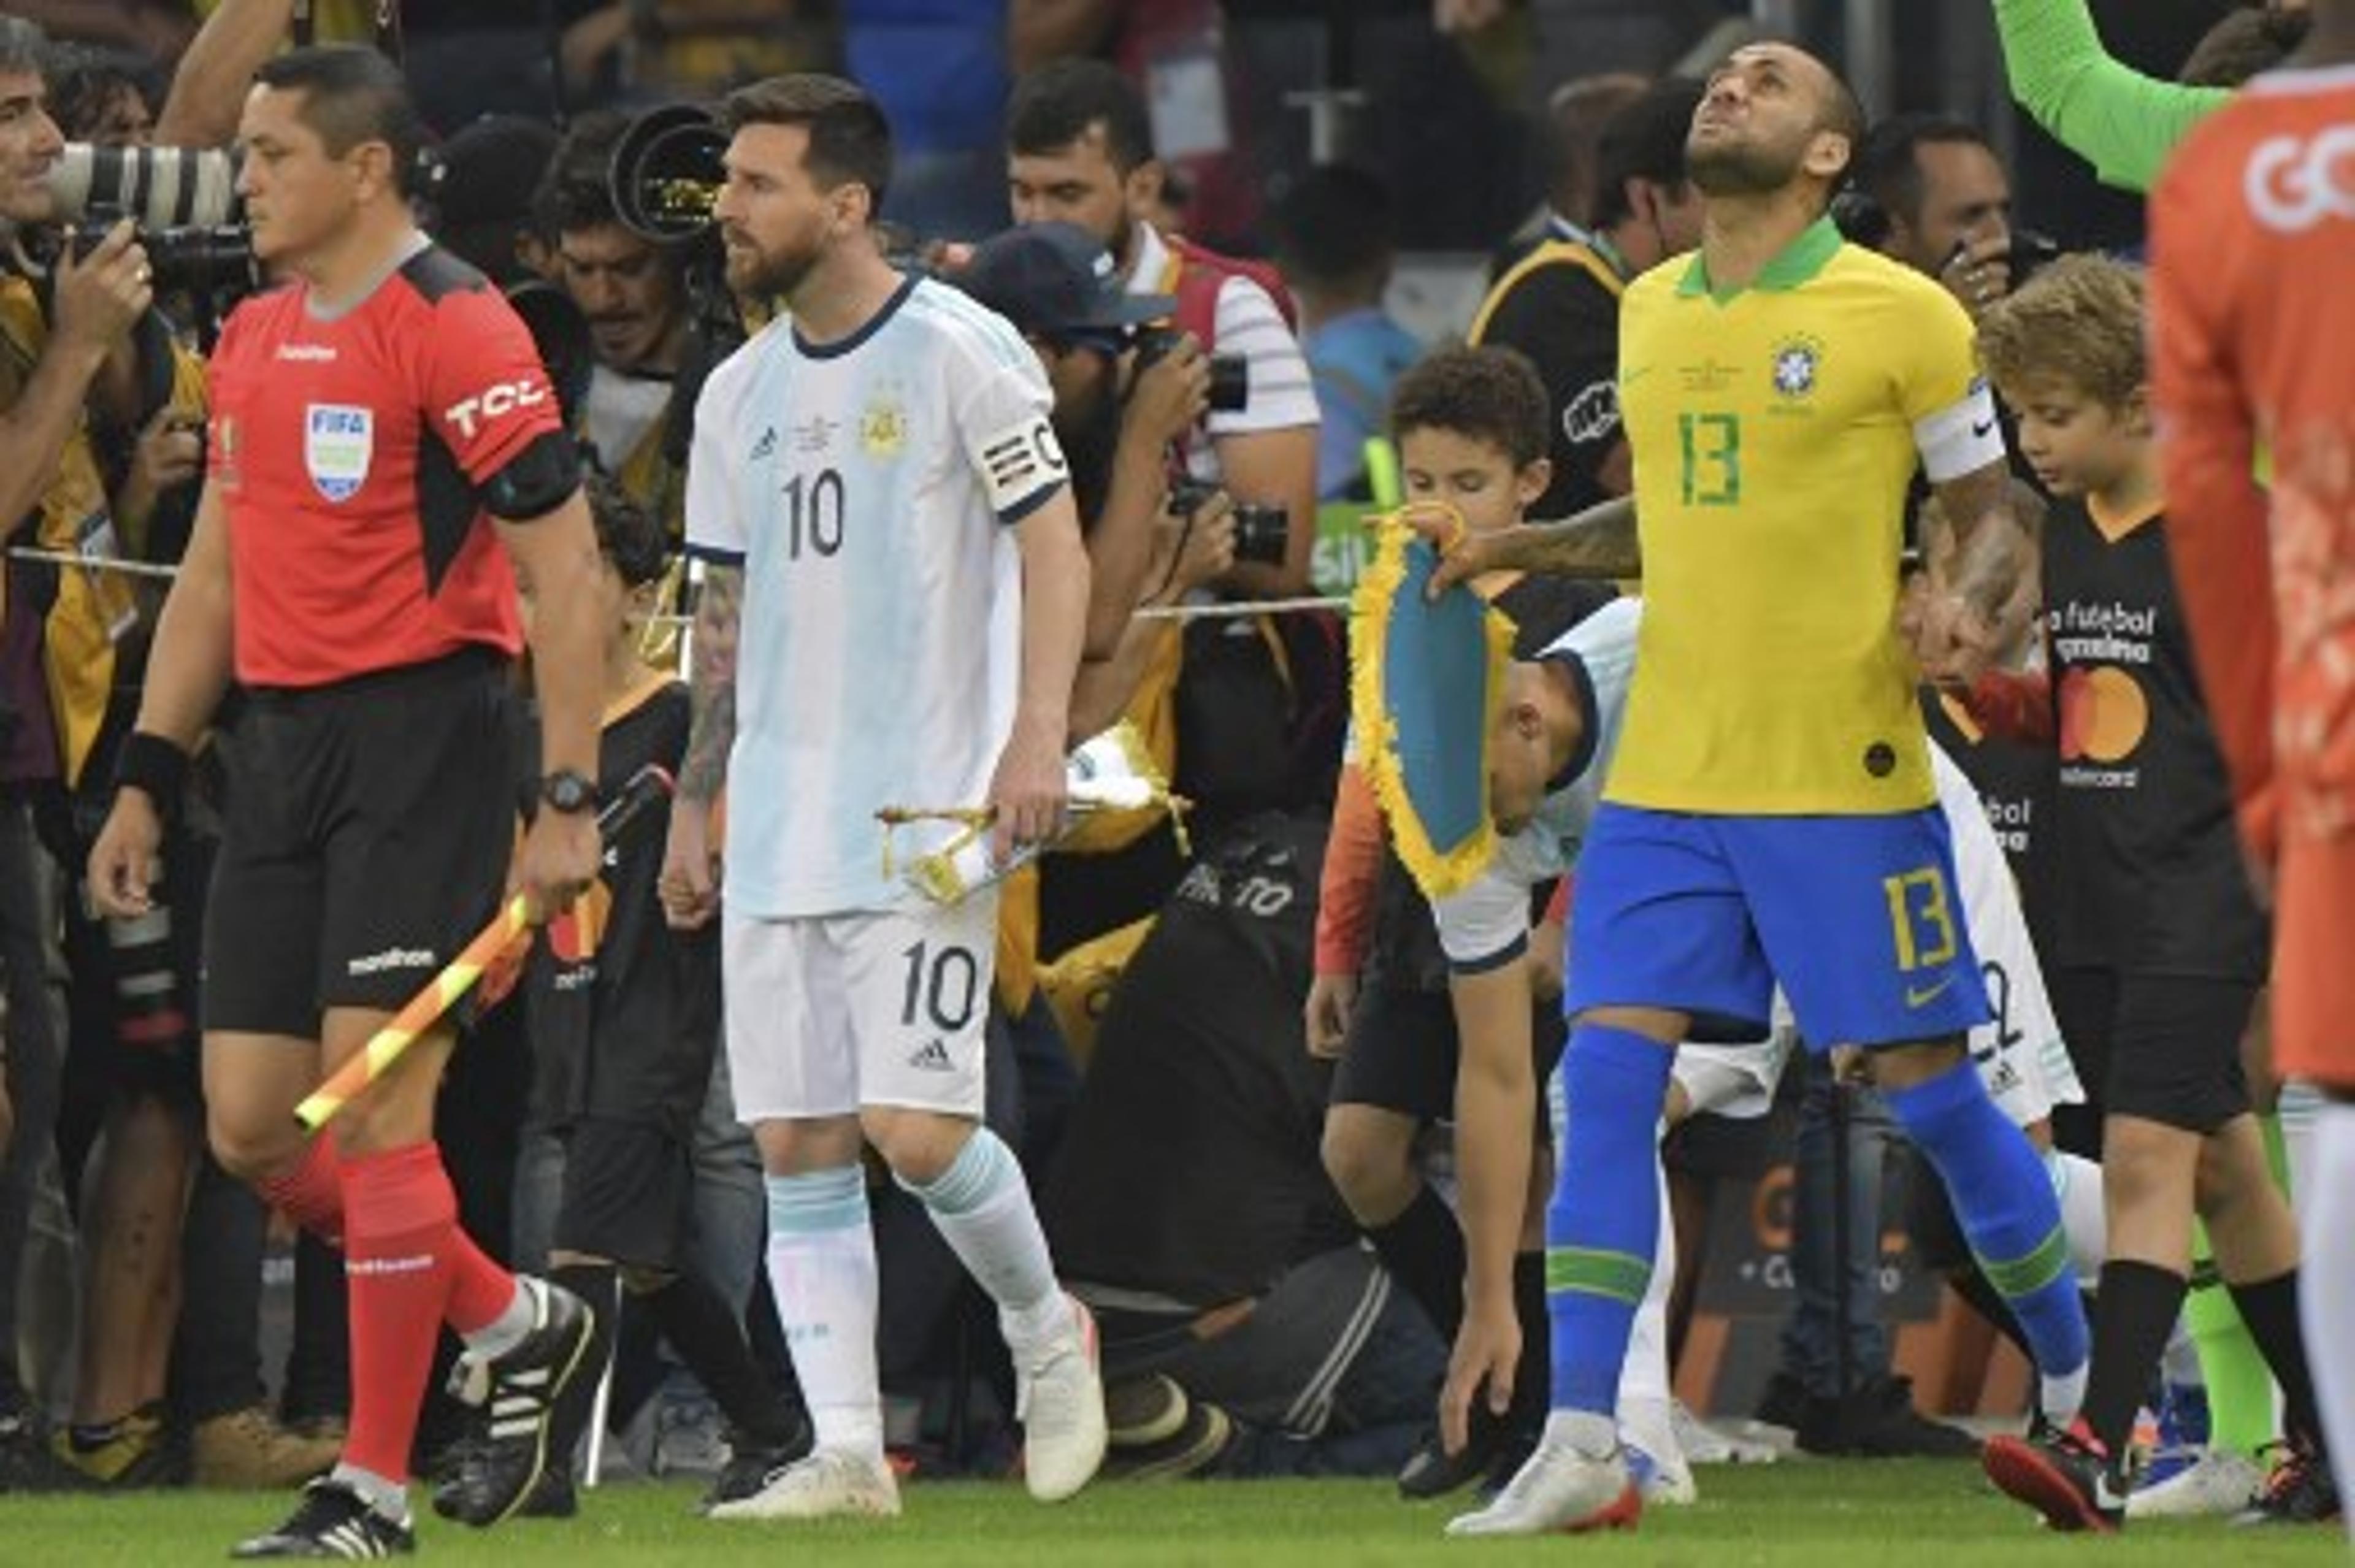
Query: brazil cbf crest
[
  {"x": 338, "y": 441},
  {"x": 1798, "y": 361}
]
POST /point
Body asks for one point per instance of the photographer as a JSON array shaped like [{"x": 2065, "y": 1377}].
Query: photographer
[
  {"x": 1937, "y": 198},
  {"x": 629, "y": 290},
  {"x": 1080, "y": 150},
  {"x": 65, "y": 356},
  {"x": 1118, "y": 411}
]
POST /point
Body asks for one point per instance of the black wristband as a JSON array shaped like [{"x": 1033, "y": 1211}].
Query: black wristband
[{"x": 152, "y": 765}]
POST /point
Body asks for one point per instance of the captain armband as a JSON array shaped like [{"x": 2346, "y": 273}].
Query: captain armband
[{"x": 1961, "y": 438}]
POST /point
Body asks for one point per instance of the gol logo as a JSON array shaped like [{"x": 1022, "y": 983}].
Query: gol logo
[
  {"x": 2104, "y": 715},
  {"x": 2292, "y": 184}
]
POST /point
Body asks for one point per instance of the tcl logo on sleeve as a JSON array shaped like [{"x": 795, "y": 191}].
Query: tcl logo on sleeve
[
  {"x": 495, "y": 402},
  {"x": 2292, "y": 183}
]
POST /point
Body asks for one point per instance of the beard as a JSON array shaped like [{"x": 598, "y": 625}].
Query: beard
[
  {"x": 761, "y": 275},
  {"x": 1740, "y": 168}
]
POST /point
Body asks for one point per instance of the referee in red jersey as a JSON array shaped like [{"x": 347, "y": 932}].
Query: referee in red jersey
[{"x": 384, "y": 455}]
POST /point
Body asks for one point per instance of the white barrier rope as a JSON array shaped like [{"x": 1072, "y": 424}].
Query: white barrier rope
[
  {"x": 1220, "y": 610},
  {"x": 91, "y": 562},
  {"x": 1225, "y": 609}
]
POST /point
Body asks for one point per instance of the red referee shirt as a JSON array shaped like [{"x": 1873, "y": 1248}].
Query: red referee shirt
[{"x": 347, "y": 451}]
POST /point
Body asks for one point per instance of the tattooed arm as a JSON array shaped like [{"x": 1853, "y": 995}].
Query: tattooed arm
[
  {"x": 1976, "y": 605},
  {"x": 690, "y": 876},
  {"x": 1599, "y": 542}
]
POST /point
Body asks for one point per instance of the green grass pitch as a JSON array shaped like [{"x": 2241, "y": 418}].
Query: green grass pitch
[{"x": 1897, "y": 1514}]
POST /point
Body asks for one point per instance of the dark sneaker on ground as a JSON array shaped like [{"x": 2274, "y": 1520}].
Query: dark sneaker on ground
[
  {"x": 753, "y": 1463},
  {"x": 1431, "y": 1471},
  {"x": 332, "y": 1520},
  {"x": 493, "y": 1474},
  {"x": 2298, "y": 1490},
  {"x": 552, "y": 1497},
  {"x": 2066, "y": 1476},
  {"x": 1785, "y": 1403},
  {"x": 1878, "y": 1422}
]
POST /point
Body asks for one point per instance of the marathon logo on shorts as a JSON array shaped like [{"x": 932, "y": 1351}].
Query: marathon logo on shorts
[
  {"x": 391, "y": 958},
  {"x": 337, "y": 442}
]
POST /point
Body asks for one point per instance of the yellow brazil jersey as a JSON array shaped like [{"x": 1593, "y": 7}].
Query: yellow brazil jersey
[{"x": 1772, "y": 431}]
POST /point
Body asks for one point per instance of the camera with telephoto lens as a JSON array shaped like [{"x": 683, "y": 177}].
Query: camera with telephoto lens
[
  {"x": 1263, "y": 530},
  {"x": 1230, "y": 373},
  {"x": 182, "y": 201},
  {"x": 158, "y": 187}
]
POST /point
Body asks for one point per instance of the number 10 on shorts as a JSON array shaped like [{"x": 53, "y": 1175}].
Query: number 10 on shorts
[
  {"x": 942, "y": 989},
  {"x": 1921, "y": 918}
]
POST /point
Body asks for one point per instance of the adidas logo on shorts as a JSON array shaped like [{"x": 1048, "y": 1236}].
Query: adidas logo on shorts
[{"x": 932, "y": 1057}]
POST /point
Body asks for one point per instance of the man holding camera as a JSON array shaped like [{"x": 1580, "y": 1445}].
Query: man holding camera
[
  {"x": 384, "y": 455},
  {"x": 1118, "y": 408},
  {"x": 1080, "y": 149},
  {"x": 1937, "y": 198},
  {"x": 66, "y": 356},
  {"x": 629, "y": 290}
]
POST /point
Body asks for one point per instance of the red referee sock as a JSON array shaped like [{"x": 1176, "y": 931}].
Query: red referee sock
[
  {"x": 400, "y": 1221},
  {"x": 480, "y": 1290},
  {"x": 311, "y": 1194}
]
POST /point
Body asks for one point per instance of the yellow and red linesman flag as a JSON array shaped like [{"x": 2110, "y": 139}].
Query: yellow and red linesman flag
[{"x": 508, "y": 929}]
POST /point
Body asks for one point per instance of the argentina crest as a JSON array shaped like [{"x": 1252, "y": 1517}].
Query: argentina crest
[{"x": 338, "y": 441}]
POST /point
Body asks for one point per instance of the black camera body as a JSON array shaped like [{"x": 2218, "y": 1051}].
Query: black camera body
[
  {"x": 212, "y": 263},
  {"x": 1263, "y": 530},
  {"x": 1230, "y": 373},
  {"x": 214, "y": 260}
]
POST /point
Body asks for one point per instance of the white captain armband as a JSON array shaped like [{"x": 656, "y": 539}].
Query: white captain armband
[
  {"x": 1961, "y": 438},
  {"x": 1022, "y": 465}
]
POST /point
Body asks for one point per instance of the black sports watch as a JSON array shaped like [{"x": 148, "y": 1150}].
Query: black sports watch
[{"x": 568, "y": 791}]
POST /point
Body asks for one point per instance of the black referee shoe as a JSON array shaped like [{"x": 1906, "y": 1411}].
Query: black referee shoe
[
  {"x": 332, "y": 1520},
  {"x": 493, "y": 1473}
]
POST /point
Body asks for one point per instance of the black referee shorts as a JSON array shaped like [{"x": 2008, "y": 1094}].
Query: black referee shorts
[
  {"x": 369, "y": 827},
  {"x": 2165, "y": 1048},
  {"x": 1402, "y": 1051}
]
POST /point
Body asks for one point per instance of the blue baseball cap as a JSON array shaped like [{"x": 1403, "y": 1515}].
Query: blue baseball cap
[{"x": 1053, "y": 279}]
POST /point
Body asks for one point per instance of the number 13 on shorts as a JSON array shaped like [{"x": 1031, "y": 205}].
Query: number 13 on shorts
[{"x": 1921, "y": 918}]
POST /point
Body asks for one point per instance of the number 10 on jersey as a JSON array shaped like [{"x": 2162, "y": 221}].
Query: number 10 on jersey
[{"x": 814, "y": 511}]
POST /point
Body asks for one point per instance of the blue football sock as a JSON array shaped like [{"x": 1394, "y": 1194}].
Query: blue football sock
[
  {"x": 2007, "y": 1206},
  {"x": 1604, "y": 1224}
]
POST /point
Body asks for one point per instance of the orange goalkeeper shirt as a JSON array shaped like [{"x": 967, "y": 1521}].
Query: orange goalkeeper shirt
[{"x": 2252, "y": 318}]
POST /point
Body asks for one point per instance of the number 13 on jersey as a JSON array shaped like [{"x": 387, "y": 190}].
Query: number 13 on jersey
[{"x": 1710, "y": 445}]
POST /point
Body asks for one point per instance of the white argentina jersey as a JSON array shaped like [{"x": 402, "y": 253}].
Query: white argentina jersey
[
  {"x": 1488, "y": 922},
  {"x": 867, "y": 486}
]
